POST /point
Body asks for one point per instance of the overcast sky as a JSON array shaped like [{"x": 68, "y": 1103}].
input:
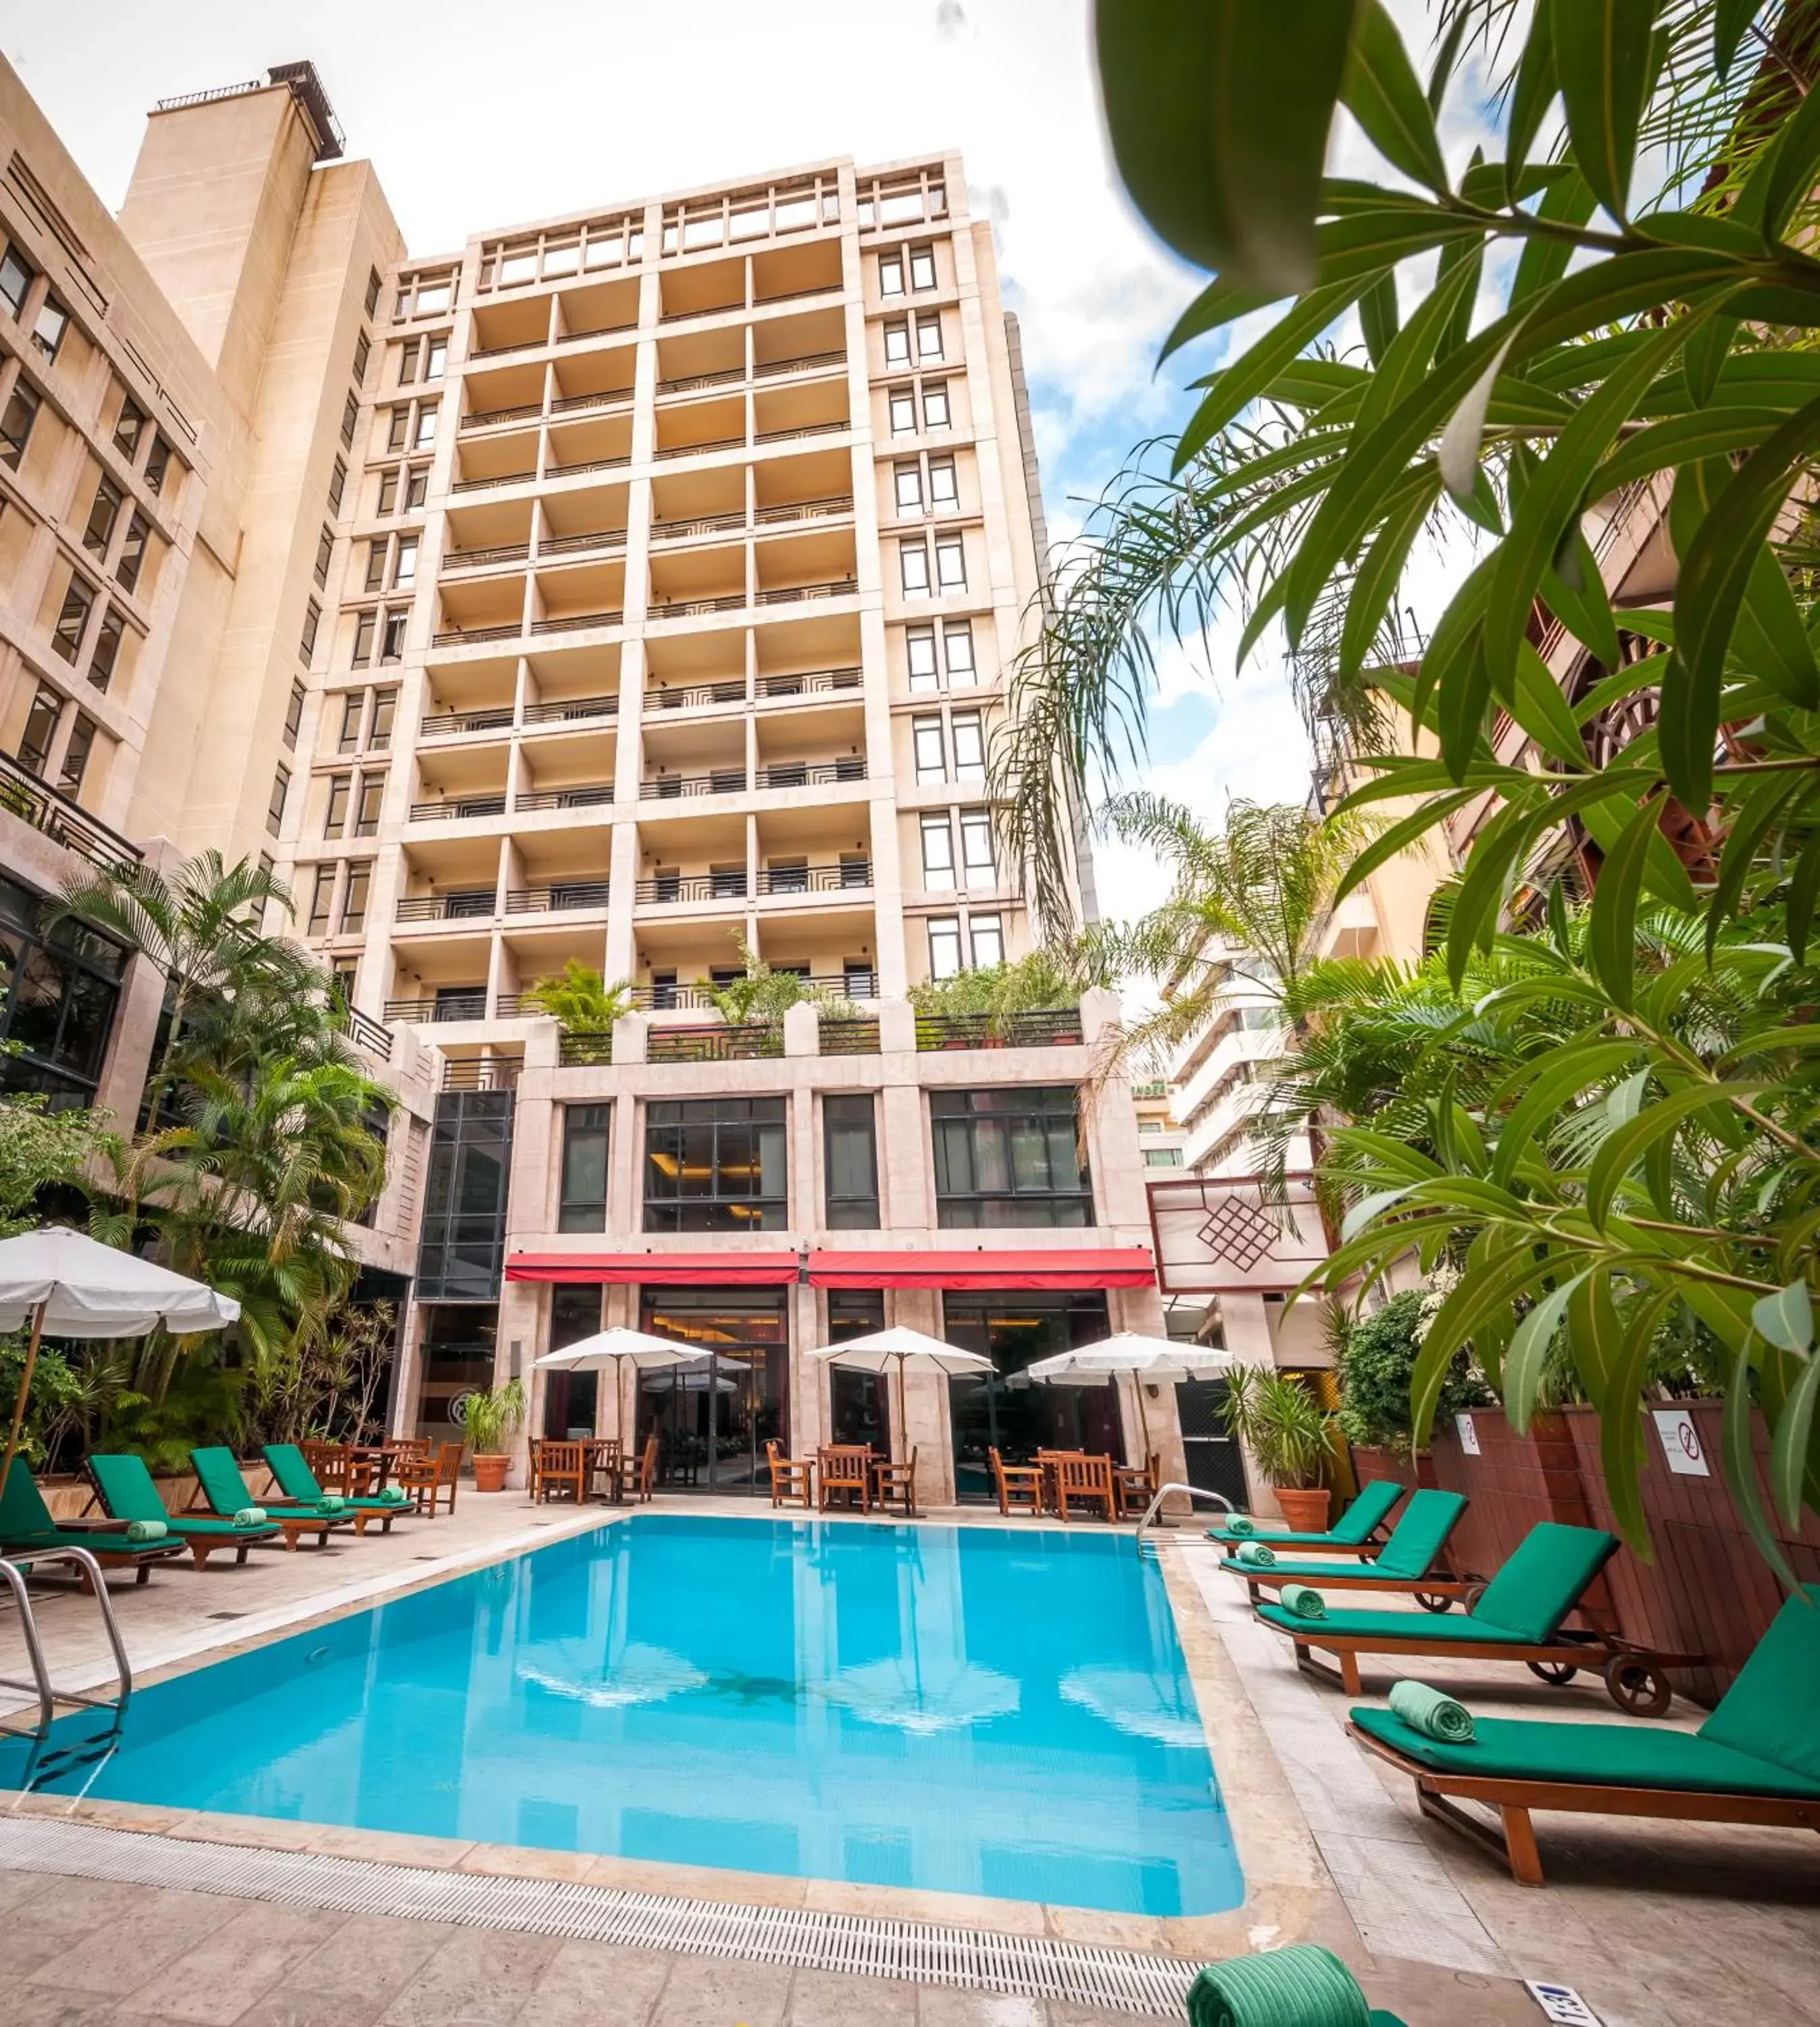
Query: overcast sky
[{"x": 479, "y": 115}]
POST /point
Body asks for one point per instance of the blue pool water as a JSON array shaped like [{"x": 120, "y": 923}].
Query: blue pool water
[{"x": 980, "y": 1711}]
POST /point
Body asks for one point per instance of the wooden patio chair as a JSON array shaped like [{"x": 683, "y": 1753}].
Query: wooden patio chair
[
  {"x": 331, "y": 1465},
  {"x": 846, "y": 1467},
  {"x": 639, "y": 1481},
  {"x": 1020, "y": 1486},
  {"x": 894, "y": 1486},
  {"x": 792, "y": 1479},
  {"x": 556, "y": 1463},
  {"x": 1136, "y": 1485},
  {"x": 428, "y": 1478},
  {"x": 1087, "y": 1481}
]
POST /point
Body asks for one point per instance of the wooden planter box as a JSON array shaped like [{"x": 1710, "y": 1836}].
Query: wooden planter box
[
  {"x": 1370, "y": 1463},
  {"x": 68, "y": 1497},
  {"x": 1707, "y": 1590}
]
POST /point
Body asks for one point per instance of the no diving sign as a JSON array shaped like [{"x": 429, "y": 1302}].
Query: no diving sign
[{"x": 1680, "y": 1442}]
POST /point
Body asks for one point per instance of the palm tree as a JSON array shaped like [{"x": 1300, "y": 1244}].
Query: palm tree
[{"x": 579, "y": 998}]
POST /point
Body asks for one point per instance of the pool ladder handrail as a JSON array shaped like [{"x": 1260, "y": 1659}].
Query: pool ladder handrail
[
  {"x": 1194, "y": 1491},
  {"x": 12, "y": 1574}
]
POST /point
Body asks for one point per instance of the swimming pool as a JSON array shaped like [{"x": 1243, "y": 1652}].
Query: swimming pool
[{"x": 978, "y": 1710}]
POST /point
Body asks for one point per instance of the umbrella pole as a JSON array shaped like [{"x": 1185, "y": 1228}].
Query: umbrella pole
[
  {"x": 898, "y": 1444},
  {"x": 25, "y": 1388},
  {"x": 1143, "y": 1419}
]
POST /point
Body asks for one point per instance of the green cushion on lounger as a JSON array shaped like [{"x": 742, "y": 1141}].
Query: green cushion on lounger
[
  {"x": 1351, "y": 1530},
  {"x": 297, "y": 1481},
  {"x": 1771, "y": 1710},
  {"x": 1417, "y": 1539},
  {"x": 128, "y": 1494},
  {"x": 1544, "y": 1578},
  {"x": 1615, "y": 1756},
  {"x": 225, "y": 1489},
  {"x": 27, "y": 1522},
  {"x": 1427, "y": 1627}
]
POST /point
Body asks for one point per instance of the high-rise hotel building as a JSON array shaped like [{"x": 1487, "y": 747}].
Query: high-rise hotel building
[{"x": 638, "y": 588}]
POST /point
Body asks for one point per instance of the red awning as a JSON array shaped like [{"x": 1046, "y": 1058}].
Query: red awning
[
  {"x": 658, "y": 1270},
  {"x": 1106, "y": 1267}
]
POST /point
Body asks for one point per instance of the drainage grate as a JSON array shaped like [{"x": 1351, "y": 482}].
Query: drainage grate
[
  {"x": 919, "y": 1952},
  {"x": 227, "y": 1615}
]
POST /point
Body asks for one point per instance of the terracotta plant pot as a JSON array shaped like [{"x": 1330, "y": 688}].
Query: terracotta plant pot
[
  {"x": 1303, "y": 1512},
  {"x": 489, "y": 1473}
]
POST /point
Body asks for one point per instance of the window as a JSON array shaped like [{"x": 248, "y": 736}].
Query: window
[
  {"x": 335, "y": 818},
  {"x": 462, "y": 1252},
  {"x": 294, "y": 712},
  {"x": 385, "y": 709},
  {"x": 988, "y": 935},
  {"x": 950, "y": 563},
  {"x": 72, "y": 621},
  {"x": 584, "y": 1196},
  {"x": 897, "y": 350},
  {"x": 392, "y": 639},
  {"x": 920, "y": 650},
  {"x": 436, "y": 360},
  {"x": 40, "y": 729},
  {"x": 107, "y": 649},
  {"x": 425, "y": 434},
  {"x": 16, "y": 280},
  {"x": 416, "y": 485},
  {"x": 274, "y": 809},
  {"x": 944, "y": 946},
  {"x": 129, "y": 429},
  {"x": 969, "y": 747},
  {"x": 389, "y": 491},
  {"x": 372, "y": 291},
  {"x": 325, "y": 549},
  {"x": 1149, "y": 1125},
  {"x": 958, "y": 643},
  {"x": 363, "y": 352},
  {"x": 353, "y": 705},
  {"x": 104, "y": 512},
  {"x": 322, "y": 901},
  {"x": 1008, "y": 1157},
  {"x": 914, "y": 564},
  {"x": 47, "y": 333},
  {"x": 58, "y": 993},
  {"x": 16, "y": 424},
  {"x": 364, "y": 628},
  {"x": 930, "y": 335},
  {"x": 432, "y": 298},
  {"x": 976, "y": 849},
  {"x": 337, "y": 485},
  {"x": 714, "y": 1165},
  {"x": 938, "y": 855},
  {"x": 903, "y": 411},
  {"x": 372, "y": 799},
  {"x": 157, "y": 463},
  {"x": 350, "y": 418},
  {"x": 936, "y": 405},
  {"x": 399, "y": 429},
  {"x": 891, "y": 273},
  {"x": 1162, "y": 1157},
  {"x": 909, "y": 481},
  {"x": 943, "y": 492},
  {"x": 354, "y": 900},
  {"x": 376, "y": 565},
  {"x": 407, "y": 353},
  {"x": 312, "y": 621},
  {"x": 850, "y": 1157},
  {"x": 926, "y": 743},
  {"x": 133, "y": 551},
  {"x": 922, "y": 266},
  {"x": 404, "y": 568}
]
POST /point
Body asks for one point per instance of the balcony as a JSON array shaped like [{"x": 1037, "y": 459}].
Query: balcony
[
  {"x": 487, "y": 559},
  {"x": 367, "y": 1033},
  {"x": 810, "y": 773},
  {"x": 560, "y": 897},
  {"x": 487, "y": 418},
  {"x": 1056, "y": 1027},
  {"x": 846, "y": 1037},
  {"x": 568, "y": 710},
  {"x": 666, "y": 999},
  {"x": 590, "y": 541},
  {"x": 577, "y": 622},
  {"x": 580, "y": 796},
  {"x": 671, "y": 787},
  {"x": 480, "y": 1072},
  {"x": 819, "y": 682},
  {"x": 848, "y": 875},
  {"x": 63, "y": 822},
  {"x": 743, "y": 1042},
  {"x": 462, "y": 905},
  {"x": 666, "y": 889},
  {"x": 794, "y": 594},
  {"x": 585, "y": 1051},
  {"x": 696, "y": 696},
  {"x": 455, "y": 809},
  {"x": 450, "y": 724},
  {"x": 703, "y": 524},
  {"x": 451, "y": 1003}
]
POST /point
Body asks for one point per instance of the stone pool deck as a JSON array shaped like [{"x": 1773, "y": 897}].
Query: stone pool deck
[{"x": 1656, "y": 1925}]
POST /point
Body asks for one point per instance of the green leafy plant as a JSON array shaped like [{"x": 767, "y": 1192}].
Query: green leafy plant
[
  {"x": 1287, "y": 1432},
  {"x": 1046, "y": 980},
  {"x": 1375, "y": 1368},
  {"x": 761, "y": 996},
  {"x": 579, "y": 998},
  {"x": 494, "y": 1417}
]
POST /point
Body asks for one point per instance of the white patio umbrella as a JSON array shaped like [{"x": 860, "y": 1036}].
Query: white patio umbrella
[
  {"x": 882, "y": 1351},
  {"x": 70, "y": 1285},
  {"x": 1128, "y": 1351},
  {"x": 617, "y": 1347}
]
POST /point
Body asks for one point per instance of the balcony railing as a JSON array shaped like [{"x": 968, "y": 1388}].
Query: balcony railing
[
  {"x": 587, "y": 464},
  {"x": 690, "y": 382},
  {"x": 448, "y": 724},
  {"x": 1046, "y": 1028},
  {"x": 808, "y": 773},
  {"x": 699, "y": 449},
  {"x": 703, "y": 524},
  {"x": 697, "y": 695},
  {"x": 805, "y": 510},
  {"x": 850, "y": 873},
  {"x": 578, "y": 405},
  {"x": 804, "y": 429},
  {"x": 576, "y": 545},
  {"x": 367, "y": 1033},
  {"x": 585, "y": 1051},
  {"x": 565, "y": 709},
  {"x": 560, "y": 897},
  {"x": 485, "y": 419},
  {"x": 465, "y": 636},
  {"x": 465, "y": 1005},
  {"x": 742, "y": 1042},
  {"x": 494, "y": 479},
  {"x": 821, "y": 680},
  {"x": 672, "y": 787},
  {"x": 508, "y": 1006},
  {"x": 847, "y": 1038},
  {"x": 576, "y": 622},
  {"x": 665, "y": 888},
  {"x": 690, "y": 608},
  {"x": 451, "y": 809},
  {"x": 480, "y": 1072},
  {"x": 775, "y": 369},
  {"x": 699, "y": 996},
  {"x": 793, "y": 594},
  {"x": 66, "y": 823},
  {"x": 501, "y": 553},
  {"x": 582, "y": 795},
  {"x": 463, "y": 905}
]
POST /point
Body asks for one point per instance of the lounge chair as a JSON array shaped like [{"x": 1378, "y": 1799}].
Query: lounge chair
[
  {"x": 1756, "y": 1759},
  {"x": 1413, "y": 1560},
  {"x": 124, "y": 1489},
  {"x": 26, "y": 1523},
  {"x": 1518, "y": 1617},
  {"x": 1350, "y": 1536},
  {"x": 222, "y": 1490},
  {"x": 298, "y": 1486}
]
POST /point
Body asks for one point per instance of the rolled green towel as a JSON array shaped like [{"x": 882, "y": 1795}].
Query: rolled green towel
[
  {"x": 146, "y": 1531},
  {"x": 331, "y": 1502},
  {"x": 1427, "y": 1711},
  {"x": 1240, "y": 1523},
  {"x": 249, "y": 1516},
  {"x": 1306, "y": 1603},
  {"x": 394, "y": 1495},
  {"x": 1255, "y": 1555},
  {"x": 1301, "y": 1986}
]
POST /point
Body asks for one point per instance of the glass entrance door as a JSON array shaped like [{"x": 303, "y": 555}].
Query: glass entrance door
[
  {"x": 1005, "y": 1411},
  {"x": 712, "y": 1420}
]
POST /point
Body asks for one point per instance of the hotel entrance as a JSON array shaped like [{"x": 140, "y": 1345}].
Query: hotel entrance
[{"x": 712, "y": 1420}]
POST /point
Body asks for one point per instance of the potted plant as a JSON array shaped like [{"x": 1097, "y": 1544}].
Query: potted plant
[
  {"x": 1375, "y": 1364},
  {"x": 494, "y": 1418},
  {"x": 1290, "y": 1438}
]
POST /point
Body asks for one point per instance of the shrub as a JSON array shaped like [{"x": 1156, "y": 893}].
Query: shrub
[{"x": 1377, "y": 1369}]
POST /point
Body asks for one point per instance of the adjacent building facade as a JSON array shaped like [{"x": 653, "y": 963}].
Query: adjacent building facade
[{"x": 633, "y": 590}]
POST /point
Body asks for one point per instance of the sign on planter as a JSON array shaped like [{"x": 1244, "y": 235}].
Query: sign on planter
[
  {"x": 1680, "y": 1441},
  {"x": 1468, "y": 1435}
]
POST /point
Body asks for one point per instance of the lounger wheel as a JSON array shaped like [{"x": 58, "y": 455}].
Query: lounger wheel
[
  {"x": 1557, "y": 1672},
  {"x": 1473, "y": 1593},
  {"x": 1636, "y": 1686},
  {"x": 1431, "y": 1601}
]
